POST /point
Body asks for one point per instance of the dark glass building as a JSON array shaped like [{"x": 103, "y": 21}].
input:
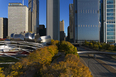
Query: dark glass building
[{"x": 86, "y": 20}]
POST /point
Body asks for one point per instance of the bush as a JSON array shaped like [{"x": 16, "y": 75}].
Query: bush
[
  {"x": 111, "y": 47},
  {"x": 68, "y": 48},
  {"x": 95, "y": 46},
  {"x": 71, "y": 67}
]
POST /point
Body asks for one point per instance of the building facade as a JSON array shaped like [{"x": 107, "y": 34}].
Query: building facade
[
  {"x": 33, "y": 15},
  {"x": 3, "y": 27},
  {"x": 42, "y": 30},
  {"x": 71, "y": 22},
  {"x": 62, "y": 34},
  {"x": 17, "y": 18},
  {"x": 53, "y": 19},
  {"x": 109, "y": 21},
  {"x": 86, "y": 20}
]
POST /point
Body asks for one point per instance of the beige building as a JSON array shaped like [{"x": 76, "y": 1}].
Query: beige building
[
  {"x": 33, "y": 15},
  {"x": 3, "y": 27},
  {"x": 62, "y": 25},
  {"x": 62, "y": 34},
  {"x": 17, "y": 18}
]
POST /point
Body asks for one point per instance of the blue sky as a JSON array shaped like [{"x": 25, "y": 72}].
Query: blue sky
[{"x": 64, "y": 10}]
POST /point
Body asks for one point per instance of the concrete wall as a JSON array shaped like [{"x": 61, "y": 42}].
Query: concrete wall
[
  {"x": 18, "y": 19},
  {"x": 53, "y": 19},
  {"x": 1, "y": 27}
]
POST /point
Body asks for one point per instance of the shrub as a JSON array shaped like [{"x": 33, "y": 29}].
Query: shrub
[
  {"x": 111, "y": 47},
  {"x": 95, "y": 46},
  {"x": 71, "y": 67},
  {"x": 68, "y": 48},
  {"x": 1, "y": 72}
]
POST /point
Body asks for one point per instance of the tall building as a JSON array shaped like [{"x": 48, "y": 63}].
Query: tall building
[
  {"x": 86, "y": 20},
  {"x": 3, "y": 27},
  {"x": 53, "y": 19},
  {"x": 109, "y": 21},
  {"x": 17, "y": 18},
  {"x": 71, "y": 22},
  {"x": 33, "y": 15},
  {"x": 42, "y": 30},
  {"x": 62, "y": 25},
  {"x": 62, "y": 34}
]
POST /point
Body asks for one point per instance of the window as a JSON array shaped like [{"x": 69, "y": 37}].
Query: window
[
  {"x": 110, "y": 18},
  {"x": 110, "y": 33},
  {"x": 110, "y": 1},
  {"x": 110, "y": 37},
  {"x": 110, "y": 6},
  {"x": 110, "y": 29},
  {"x": 110, "y": 25},
  {"x": 110, "y": 10},
  {"x": 110, "y": 41},
  {"x": 110, "y": 14}
]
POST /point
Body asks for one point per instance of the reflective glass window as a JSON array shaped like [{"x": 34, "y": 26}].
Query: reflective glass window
[
  {"x": 110, "y": 10},
  {"x": 110, "y": 37},
  {"x": 110, "y": 18},
  {"x": 110, "y": 25},
  {"x": 110, "y": 41},
  {"x": 110, "y": 33},
  {"x": 110, "y": 6},
  {"x": 110, "y": 1},
  {"x": 110, "y": 14},
  {"x": 110, "y": 29}
]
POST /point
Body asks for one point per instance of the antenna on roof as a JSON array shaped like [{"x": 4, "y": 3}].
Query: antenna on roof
[{"x": 23, "y": 2}]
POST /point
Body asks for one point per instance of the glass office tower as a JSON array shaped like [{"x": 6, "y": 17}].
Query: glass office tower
[
  {"x": 109, "y": 21},
  {"x": 86, "y": 20}
]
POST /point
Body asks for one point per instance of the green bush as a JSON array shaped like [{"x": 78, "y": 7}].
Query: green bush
[{"x": 68, "y": 48}]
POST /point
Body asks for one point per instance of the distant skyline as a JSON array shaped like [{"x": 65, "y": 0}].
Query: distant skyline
[{"x": 64, "y": 10}]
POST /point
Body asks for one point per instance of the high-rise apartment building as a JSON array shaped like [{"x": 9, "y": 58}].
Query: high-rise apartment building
[
  {"x": 33, "y": 15},
  {"x": 17, "y": 18},
  {"x": 71, "y": 22},
  {"x": 62, "y": 34},
  {"x": 86, "y": 20},
  {"x": 53, "y": 19},
  {"x": 109, "y": 21},
  {"x": 3, "y": 27}
]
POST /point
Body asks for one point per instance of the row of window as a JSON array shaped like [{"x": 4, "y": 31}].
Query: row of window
[
  {"x": 88, "y": 26},
  {"x": 110, "y": 6},
  {"x": 110, "y": 14},
  {"x": 110, "y": 25},
  {"x": 87, "y": 11},
  {"x": 110, "y": 10},
  {"x": 110, "y": 37},
  {"x": 110, "y": 1},
  {"x": 111, "y": 41},
  {"x": 111, "y": 33},
  {"x": 110, "y": 21},
  {"x": 110, "y": 18}
]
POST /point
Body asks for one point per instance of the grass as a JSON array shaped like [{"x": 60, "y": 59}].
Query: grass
[{"x": 8, "y": 59}]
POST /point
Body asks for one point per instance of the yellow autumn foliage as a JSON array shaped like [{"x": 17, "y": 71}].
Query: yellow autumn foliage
[
  {"x": 1, "y": 72},
  {"x": 71, "y": 67}
]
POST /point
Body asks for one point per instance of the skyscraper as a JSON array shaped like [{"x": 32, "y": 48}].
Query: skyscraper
[
  {"x": 3, "y": 27},
  {"x": 86, "y": 20},
  {"x": 53, "y": 19},
  {"x": 33, "y": 15},
  {"x": 71, "y": 22},
  {"x": 62, "y": 34},
  {"x": 17, "y": 18},
  {"x": 109, "y": 21}
]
